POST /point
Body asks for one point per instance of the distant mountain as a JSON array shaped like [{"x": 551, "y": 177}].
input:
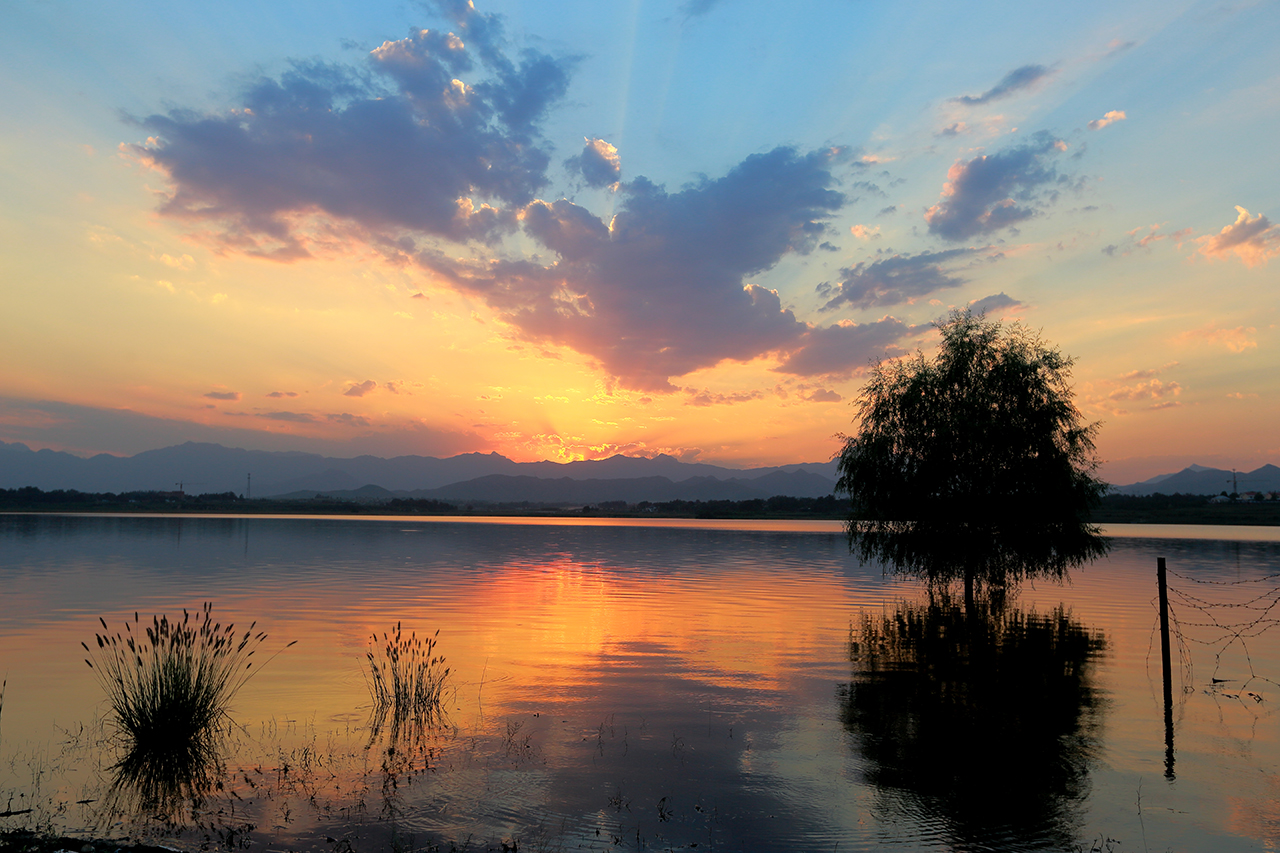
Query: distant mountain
[
  {"x": 566, "y": 491},
  {"x": 1198, "y": 480},
  {"x": 213, "y": 468}
]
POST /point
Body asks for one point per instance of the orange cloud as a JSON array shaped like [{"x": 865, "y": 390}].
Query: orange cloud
[
  {"x": 1153, "y": 390},
  {"x": 1237, "y": 340},
  {"x": 1109, "y": 118},
  {"x": 1255, "y": 240}
]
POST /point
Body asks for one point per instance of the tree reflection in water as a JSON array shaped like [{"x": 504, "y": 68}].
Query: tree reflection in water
[{"x": 983, "y": 718}]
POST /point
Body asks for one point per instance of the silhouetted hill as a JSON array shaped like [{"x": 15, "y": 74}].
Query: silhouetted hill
[
  {"x": 214, "y": 468},
  {"x": 1198, "y": 480}
]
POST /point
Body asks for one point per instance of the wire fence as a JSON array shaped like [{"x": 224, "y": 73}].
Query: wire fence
[{"x": 1224, "y": 619}]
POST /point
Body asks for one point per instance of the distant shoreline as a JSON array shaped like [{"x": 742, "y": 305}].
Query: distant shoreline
[{"x": 1116, "y": 509}]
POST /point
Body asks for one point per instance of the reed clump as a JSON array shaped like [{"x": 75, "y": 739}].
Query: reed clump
[
  {"x": 407, "y": 678},
  {"x": 170, "y": 683}
]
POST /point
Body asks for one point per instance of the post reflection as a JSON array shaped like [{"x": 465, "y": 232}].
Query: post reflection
[{"x": 982, "y": 719}]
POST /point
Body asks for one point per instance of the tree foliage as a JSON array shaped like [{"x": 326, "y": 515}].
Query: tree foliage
[{"x": 974, "y": 463}]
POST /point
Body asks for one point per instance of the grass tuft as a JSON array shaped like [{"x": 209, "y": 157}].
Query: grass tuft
[
  {"x": 406, "y": 679},
  {"x": 170, "y": 684}
]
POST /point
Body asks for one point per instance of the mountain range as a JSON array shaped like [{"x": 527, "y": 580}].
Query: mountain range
[
  {"x": 482, "y": 477},
  {"x": 199, "y": 468},
  {"x": 1199, "y": 480}
]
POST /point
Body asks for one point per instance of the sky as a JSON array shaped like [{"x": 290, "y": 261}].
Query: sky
[{"x": 568, "y": 230}]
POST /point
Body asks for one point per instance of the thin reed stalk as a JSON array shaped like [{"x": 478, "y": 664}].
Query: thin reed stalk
[{"x": 406, "y": 679}]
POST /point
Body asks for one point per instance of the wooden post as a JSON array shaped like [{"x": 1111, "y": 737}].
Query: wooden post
[{"x": 1167, "y": 666}]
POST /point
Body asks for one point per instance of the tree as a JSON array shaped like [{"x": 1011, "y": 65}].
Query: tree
[{"x": 975, "y": 463}]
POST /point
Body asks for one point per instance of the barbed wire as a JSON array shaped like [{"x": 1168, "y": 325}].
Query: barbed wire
[
  {"x": 1189, "y": 579},
  {"x": 1222, "y": 627}
]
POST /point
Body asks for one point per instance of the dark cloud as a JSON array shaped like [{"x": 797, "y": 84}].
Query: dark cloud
[
  {"x": 896, "y": 279},
  {"x": 845, "y": 347},
  {"x": 663, "y": 291},
  {"x": 994, "y": 191},
  {"x": 709, "y": 398},
  {"x": 885, "y": 211},
  {"x": 1015, "y": 81},
  {"x": 822, "y": 395},
  {"x": 121, "y": 431},
  {"x": 993, "y": 304},
  {"x": 348, "y": 419},
  {"x": 870, "y": 188},
  {"x": 223, "y": 395},
  {"x": 401, "y": 154},
  {"x": 359, "y": 389},
  {"x": 398, "y": 144},
  {"x": 599, "y": 163},
  {"x": 283, "y": 394},
  {"x": 291, "y": 417}
]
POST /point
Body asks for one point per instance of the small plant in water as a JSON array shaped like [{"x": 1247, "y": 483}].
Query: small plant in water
[
  {"x": 172, "y": 682},
  {"x": 407, "y": 679},
  {"x": 170, "y": 686}
]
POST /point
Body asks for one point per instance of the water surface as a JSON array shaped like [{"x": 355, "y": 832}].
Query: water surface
[{"x": 657, "y": 686}]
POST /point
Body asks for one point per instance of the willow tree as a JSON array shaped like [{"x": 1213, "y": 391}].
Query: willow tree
[{"x": 975, "y": 463}]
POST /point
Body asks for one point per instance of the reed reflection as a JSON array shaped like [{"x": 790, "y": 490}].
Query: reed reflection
[
  {"x": 984, "y": 718},
  {"x": 166, "y": 782}
]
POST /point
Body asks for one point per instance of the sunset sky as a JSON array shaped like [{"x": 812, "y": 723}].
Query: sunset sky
[{"x": 567, "y": 230}]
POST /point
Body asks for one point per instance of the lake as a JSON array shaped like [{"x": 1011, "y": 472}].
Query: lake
[{"x": 622, "y": 685}]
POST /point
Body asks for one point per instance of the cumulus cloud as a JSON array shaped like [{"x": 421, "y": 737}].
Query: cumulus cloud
[
  {"x": 359, "y": 389},
  {"x": 662, "y": 290},
  {"x": 1012, "y": 83},
  {"x": 822, "y": 395},
  {"x": 1108, "y": 118},
  {"x": 993, "y": 304},
  {"x": 895, "y": 279},
  {"x": 223, "y": 395},
  {"x": 840, "y": 349},
  {"x": 403, "y": 143},
  {"x": 994, "y": 191},
  {"x": 1253, "y": 239},
  {"x": 436, "y": 139},
  {"x": 862, "y": 232},
  {"x": 599, "y": 163}
]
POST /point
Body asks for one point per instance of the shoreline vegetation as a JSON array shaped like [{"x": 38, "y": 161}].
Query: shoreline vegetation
[{"x": 1114, "y": 508}]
